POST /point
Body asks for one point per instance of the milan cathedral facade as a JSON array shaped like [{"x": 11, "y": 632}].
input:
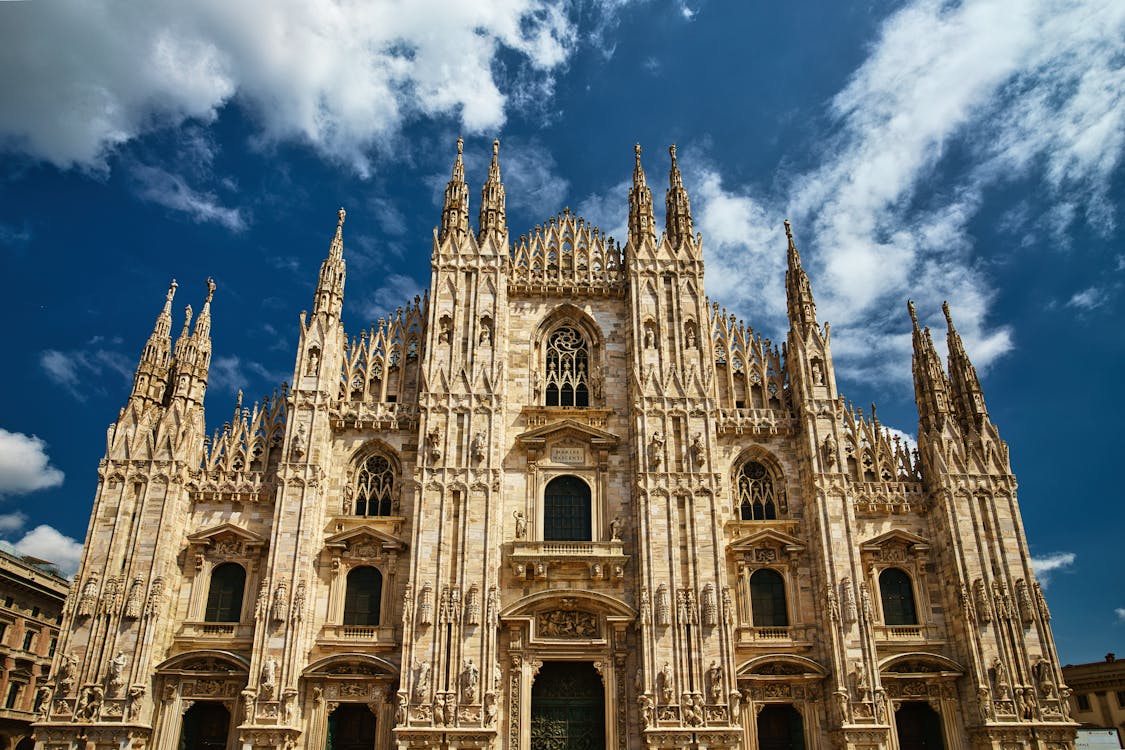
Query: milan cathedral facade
[{"x": 563, "y": 501}]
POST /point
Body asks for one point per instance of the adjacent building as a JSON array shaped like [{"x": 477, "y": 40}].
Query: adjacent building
[
  {"x": 31, "y": 603},
  {"x": 563, "y": 501},
  {"x": 1098, "y": 694}
]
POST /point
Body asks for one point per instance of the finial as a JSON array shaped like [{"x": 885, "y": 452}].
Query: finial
[
  {"x": 460, "y": 145},
  {"x": 171, "y": 291},
  {"x": 913, "y": 314},
  {"x": 342, "y": 214},
  {"x": 672, "y": 151},
  {"x": 788, "y": 230},
  {"x": 948, "y": 316},
  {"x": 211, "y": 287},
  {"x": 495, "y": 148}
]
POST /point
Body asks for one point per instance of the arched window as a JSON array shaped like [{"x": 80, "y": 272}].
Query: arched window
[
  {"x": 568, "y": 368},
  {"x": 898, "y": 597},
  {"x": 365, "y": 591},
  {"x": 224, "y": 600},
  {"x": 757, "y": 500},
  {"x": 374, "y": 485},
  {"x": 767, "y": 599},
  {"x": 566, "y": 510}
]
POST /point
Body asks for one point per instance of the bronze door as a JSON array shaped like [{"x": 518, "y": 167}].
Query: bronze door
[{"x": 567, "y": 707}]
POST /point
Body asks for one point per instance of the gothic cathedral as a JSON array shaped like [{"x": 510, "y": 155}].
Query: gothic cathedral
[{"x": 563, "y": 502}]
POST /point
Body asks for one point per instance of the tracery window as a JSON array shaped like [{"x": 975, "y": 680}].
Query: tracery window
[
  {"x": 568, "y": 368},
  {"x": 767, "y": 599},
  {"x": 757, "y": 498},
  {"x": 224, "y": 599},
  {"x": 897, "y": 594},
  {"x": 374, "y": 487},
  {"x": 364, "y": 592}
]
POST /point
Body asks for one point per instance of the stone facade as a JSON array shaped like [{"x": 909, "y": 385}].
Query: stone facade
[
  {"x": 31, "y": 603},
  {"x": 564, "y": 454},
  {"x": 1098, "y": 698}
]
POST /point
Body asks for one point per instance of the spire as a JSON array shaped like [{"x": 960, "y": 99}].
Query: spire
[
  {"x": 930, "y": 384},
  {"x": 183, "y": 343},
  {"x": 798, "y": 290},
  {"x": 151, "y": 377},
  {"x": 678, "y": 208},
  {"x": 203, "y": 322},
  {"x": 329, "y": 296},
  {"x": 493, "y": 218},
  {"x": 455, "y": 212},
  {"x": 968, "y": 397},
  {"x": 641, "y": 221}
]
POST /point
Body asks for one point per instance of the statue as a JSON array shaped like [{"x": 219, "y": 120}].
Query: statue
[
  {"x": 490, "y": 709},
  {"x": 421, "y": 680},
  {"x": 400, "y": 709},
  {"x": 666, "y": 694},
  {"x": 133, "y": 700},
  {"x": 656, "y": 450},
  {"x": 433, "y": 440},
  {"x": 477, "y": 447},
  {"x": 89, "y": 704},
  {"x": 115, "y": 678},
  {"x": 470, "y": 679},
  {"x": 1003, "y": 687},
  {"x": 615, "y": 529},
  {"x": 268, "y": 680},
  {"x": 697, "y": 449},
  {"x": 714, "y": 682},
  {"x": 43, "y": 702},
  {"x": 521, "y": 524},
  {"x": 645, "y": 702}
]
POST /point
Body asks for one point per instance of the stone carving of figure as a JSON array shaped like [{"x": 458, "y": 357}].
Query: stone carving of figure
[
  {"x": 66, "y": 674},
  {"x": 697, "y": 449},
  {"x": 43, "y": 702},
  {"x": 280, "y": 602},
  {"x": 666, "y": 694},
  {"x": 656, "y": 450},
  {"x": 650, "y": 338},
  {"x": 433, "y": 439},
  {"x": 710, "y": 607},
  {"x": 478, "y": 446},
  {"x": 645, "y": 704},
  {"x": 1045, "y": 677},
  {"x": 984, "y": 704},
  {"x": 490, "y": 709},
  {"x": 133, "y": 701},
  {"x": 268, "y": 677},
  {"x": 400, "y": 709},
  {"x": 89, "y": 704},
  {"x": 728, "y": 608},
  {"x": 536, "y": 383},
  {"x": 300, "y": 441},
  {"x": 850, "y": 613},
  {"x": 445, "y": 329},
  {"x": 314, "y": 362},
  {"x": 1041, "y": 602},
  {"x": 817, "y": 373},
  {"x": 830, "y": 451},
  {"x": 860, "y": 681},
  {"x": 597, "y": 382},
  {"x": 421, "y": 680},
  {"x": 521, "y": 523},
  {"x": 297, "y": 611},
  {"x": 115, "y": 673},
  {"x": 135, "y": 600},
  {"x": 1003, "y": 687},
  {"x": 615, "y": 529},
  {"x": 485, "y": 338},
  {"x": 646, "y": 605},
  {"x": 497, "y": 676},
  {"x": 714, "y": 682},
  {"x": 984, "y": 611},
  {"x": 493, "y": 607},
  {"x": 689, "y": 338},
  {"x": 1023, "y": 601},
  {"x": 470, "y": 681}
]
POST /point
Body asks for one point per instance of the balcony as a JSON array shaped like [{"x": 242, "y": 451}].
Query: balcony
[
  {"x": 901, "y": 633},
  {"x": 355, "y": 635},
  {"x": 216, "y": 631},
  {"x": 597, "y": 560}
]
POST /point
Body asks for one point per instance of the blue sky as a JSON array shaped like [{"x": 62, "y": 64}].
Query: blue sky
[{"x": 969, "y": 151}]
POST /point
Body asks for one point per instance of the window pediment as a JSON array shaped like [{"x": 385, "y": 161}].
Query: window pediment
[
  {"x": 364, "y": 541},
  {"x": 227, "y": 539},
  {"x": 760, "y": 543},
  {"x": 895, "y": 546},
  {"x": 568, "y": 442}
]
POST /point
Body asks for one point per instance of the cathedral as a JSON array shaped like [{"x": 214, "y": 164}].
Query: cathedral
[{"x": 562, "y": 502}]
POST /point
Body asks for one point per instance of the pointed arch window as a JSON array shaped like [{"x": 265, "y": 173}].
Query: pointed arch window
[
  {"x": 374, "y": 487},
  {"x": 224, "y": 599},
  {"x": 767, "y": 599},
  {"x": 758, "y": 499},
  {"x": 567, "y": 364},
  {"x": 897, "y": 593},
  {"x": 364, "y": 593}
]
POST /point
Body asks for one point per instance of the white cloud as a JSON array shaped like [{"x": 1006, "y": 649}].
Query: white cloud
[
  {"x": 342, "y": 77},
  {"x": 83, "y": 371},
  {"x": 24, "y": 464},
  {"x": 48, "y": 544},
  {"x": 1120, "y": 612},
  {"x": 1088, "y": 299},
  {"x": 12, "y": 521},
  {"x": 172, "y": 191},
  {"x": 1046, "y": 565},
  {"x": 1029, "y": 87},
  {"x": 231, "y": 374}
]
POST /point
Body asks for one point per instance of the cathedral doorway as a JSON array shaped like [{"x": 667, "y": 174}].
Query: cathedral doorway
[
  {"x": 567, "y": 707},
  {"x": 918, "y": 727},
  {"x": 206, "y": 725},
  {"x": 351, "y": 727},
  {"x": 780, "y": 727}
]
